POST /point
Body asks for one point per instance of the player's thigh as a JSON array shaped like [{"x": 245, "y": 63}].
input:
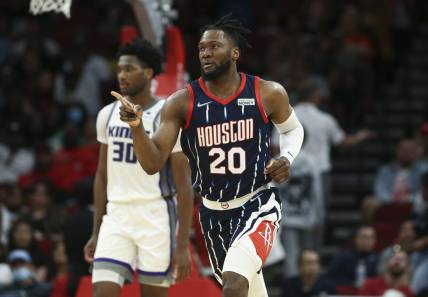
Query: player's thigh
[
  {"x": 155, "y": 243},
  {"x": 247, "y": 255},
  {"x": 114, "y": 255}
]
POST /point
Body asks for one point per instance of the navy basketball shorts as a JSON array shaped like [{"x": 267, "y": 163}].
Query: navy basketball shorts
[{"x": 249, "y": 222}]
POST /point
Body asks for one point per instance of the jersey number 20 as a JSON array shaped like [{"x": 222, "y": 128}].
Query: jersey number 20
[{"x": 217, "y": 166}]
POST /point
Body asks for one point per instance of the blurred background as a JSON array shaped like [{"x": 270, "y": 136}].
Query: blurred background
[{"x": 356, "y": 71}]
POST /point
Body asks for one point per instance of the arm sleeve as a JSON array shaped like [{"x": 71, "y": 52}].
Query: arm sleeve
[{"x": 290, "y": 137}]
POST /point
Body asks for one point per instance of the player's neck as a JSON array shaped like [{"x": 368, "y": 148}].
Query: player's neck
[
  {"x": 226, "y": 85},
  {"x": 144, "y": 98}
]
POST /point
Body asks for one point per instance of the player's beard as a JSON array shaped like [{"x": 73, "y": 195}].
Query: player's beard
[
  {"x": 217, "y": 72},
  {"x": 132, "y": 91}
]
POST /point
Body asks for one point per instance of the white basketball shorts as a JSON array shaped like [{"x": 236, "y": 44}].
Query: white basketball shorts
[{"x": 137, "y": 237}]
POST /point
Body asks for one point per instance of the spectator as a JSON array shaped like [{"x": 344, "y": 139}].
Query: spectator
[
  {"x": 422, "y": 139},
  {"x": 302, "y": 207},
  {"x": 22, "y": 237},
  {"x": 46, "y": 217},
  {"x": 5, "y": 271},
  {"x": 397, "y": 181},
  {"x": 81, "y": 77},
  {"x": 42, "y": 167},
  {"x": 77, "y": 229},
  {"x": 15, "y": 158},
  {"x": 14, "y": 200},
  {"x": 420, "y": 245},
  {"x": 397, "y": 276},
  {"x": 309, "y": 282},
  {"x": 406, "y": 236},
  {"x": 60, "y": 280},
  {"x": 323, "y": 131},
  {"x": 351, "y": 267},
  {"x": 5, "y": 216},
  {"x": 24, "y": 276}
]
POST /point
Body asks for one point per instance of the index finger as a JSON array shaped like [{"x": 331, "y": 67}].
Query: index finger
[{"x": 122, "y": 99}]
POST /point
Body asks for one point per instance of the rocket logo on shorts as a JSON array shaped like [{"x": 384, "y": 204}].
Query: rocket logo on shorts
[{"x": 263, "y": 239}]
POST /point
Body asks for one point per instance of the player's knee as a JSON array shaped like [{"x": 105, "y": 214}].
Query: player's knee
[
  {"x": 105, "y": 289},
  {"x": 234, "y": 285}
]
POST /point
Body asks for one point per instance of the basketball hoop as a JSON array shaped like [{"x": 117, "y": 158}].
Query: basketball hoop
[{"x": 58, "y": 6}]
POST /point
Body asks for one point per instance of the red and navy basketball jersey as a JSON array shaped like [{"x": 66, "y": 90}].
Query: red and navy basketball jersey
[{"x": 227, "y": 141}]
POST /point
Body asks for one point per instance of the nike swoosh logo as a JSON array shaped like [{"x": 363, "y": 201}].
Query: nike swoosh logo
[{"x": 203, "y": 104}]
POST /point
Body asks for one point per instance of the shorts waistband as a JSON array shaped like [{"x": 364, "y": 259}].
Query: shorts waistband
[{"x": 235, "y": 203}]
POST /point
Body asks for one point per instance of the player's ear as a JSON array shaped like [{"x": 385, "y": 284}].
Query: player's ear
[
  {"x": 235, "y": 54},
  {"x": 148, "y": 73}
]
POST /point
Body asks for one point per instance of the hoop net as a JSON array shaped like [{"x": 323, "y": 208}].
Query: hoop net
[{"x": 58, "y": 6}]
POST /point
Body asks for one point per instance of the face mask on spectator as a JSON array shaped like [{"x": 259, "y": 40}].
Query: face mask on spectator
[{"x": 22, "y": 274}]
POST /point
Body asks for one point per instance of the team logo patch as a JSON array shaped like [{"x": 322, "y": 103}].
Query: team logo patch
[
  {"x": 246, "y": 101},
  {"x": 263, "y": 239}
]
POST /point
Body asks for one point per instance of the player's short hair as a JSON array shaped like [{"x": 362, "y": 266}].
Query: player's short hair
[
  {"x": 145, "y": 52},
  {"x": 233, "y": 28}
]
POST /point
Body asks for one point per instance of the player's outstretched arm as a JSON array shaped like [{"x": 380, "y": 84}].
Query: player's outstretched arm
[
  {"x": 277, "y": 107},
  {"x": 153, "y": 153}
]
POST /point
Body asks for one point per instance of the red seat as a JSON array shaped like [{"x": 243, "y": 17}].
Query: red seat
[
  {"x": 191, "y": 287},
  {"x": 386, "y": 233},
  {"x": 393, "y": 212},
  {"x": 346, "y": 290}
]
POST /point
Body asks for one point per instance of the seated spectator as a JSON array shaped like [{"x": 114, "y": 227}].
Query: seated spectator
[
  {"x": 406, "y": 236},
  {"x": 395, "y": 277},
  {"x": 24, "y": 276},
  {"x": 5, "y": 271},
  {"x": 77, "y": 229},
  {"x": 15, "y": 158},
  {"x": 74, "y": 162},
  {"x": 309, "y": 281},
  {"x": 42, "y": 167},
  {"x": 5, "y": 217},
  {"x": 397, "y": 181},
  {"x": 422, "y": 139},
  {"x": 14, "y": 200},
  {"x": 351, "y": 267},
  {"x": 21, "y": 236},
  {"x": 420, "y": 245},
  {"x": 46, "y": 217},
  {"x": 60, "y": 279}
]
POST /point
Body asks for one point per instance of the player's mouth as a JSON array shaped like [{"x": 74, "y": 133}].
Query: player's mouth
[{"x": 208, "y": 66}]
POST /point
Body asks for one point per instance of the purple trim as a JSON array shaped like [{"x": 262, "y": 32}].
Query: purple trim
[
  {"x": 154, "y": 273},
  {"x": 124, "y": 264}
]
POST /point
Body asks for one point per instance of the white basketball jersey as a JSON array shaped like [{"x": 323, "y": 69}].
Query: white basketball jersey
[{"x": 126, "y": 179}]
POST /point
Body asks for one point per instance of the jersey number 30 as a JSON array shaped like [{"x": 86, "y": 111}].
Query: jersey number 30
[{"x": 234, "y": 154}]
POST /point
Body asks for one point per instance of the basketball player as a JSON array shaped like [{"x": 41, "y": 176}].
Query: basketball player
[
  {"x": 226, "y": 119},
  {"x": 134, "y": 220}
]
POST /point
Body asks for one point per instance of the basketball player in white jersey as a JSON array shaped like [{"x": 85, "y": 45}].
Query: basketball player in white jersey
[{"x": 134, "y": 220}]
